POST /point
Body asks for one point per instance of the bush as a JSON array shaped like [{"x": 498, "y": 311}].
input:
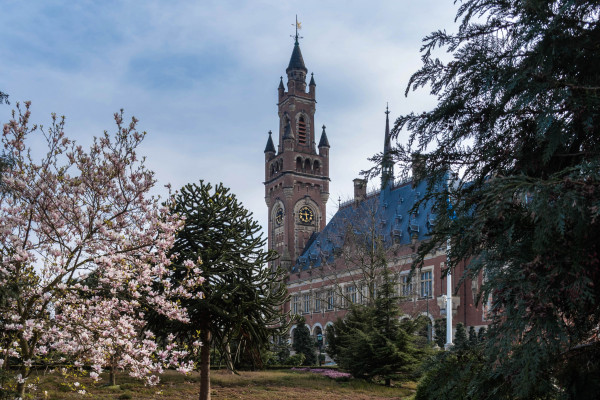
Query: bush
[{"x": 296, "y": 360}]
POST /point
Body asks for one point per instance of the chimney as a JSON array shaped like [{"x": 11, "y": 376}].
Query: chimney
[{"x": 360, "y": 189}]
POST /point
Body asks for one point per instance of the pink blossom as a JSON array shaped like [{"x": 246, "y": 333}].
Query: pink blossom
[{"x": 71, "y": 215}]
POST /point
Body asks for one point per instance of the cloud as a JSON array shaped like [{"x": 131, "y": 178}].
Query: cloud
[{"x": 202, "y": 77}]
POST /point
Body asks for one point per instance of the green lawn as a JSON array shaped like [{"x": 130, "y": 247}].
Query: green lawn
[{"x": 247, "y": 385}]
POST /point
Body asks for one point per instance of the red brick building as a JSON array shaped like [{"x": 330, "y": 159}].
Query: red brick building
[{"x": 333, "y": 264}]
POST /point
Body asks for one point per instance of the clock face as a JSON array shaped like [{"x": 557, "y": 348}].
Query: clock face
[
  {"x": 306, "y": 215},
  {"x": 279, "y": 217}
]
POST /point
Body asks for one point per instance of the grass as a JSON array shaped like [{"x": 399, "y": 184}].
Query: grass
[{"x": 263, "y": 385}]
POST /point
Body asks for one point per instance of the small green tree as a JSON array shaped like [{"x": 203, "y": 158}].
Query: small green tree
[
  {"x": 439, "y": 327},
  {"x": 481, "y": 334},
  {"x": 370, "y": 343},
  {"x": 303, "y": 343},
  {"x": 472, "y": 336},
  {"x": 460, "y": 337}
]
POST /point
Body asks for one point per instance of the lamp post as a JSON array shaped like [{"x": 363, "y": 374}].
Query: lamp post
[
  {"x": 428, "y": 319},
  {"x": 320, "y": 343},
  {"x": 452, "y": 215},
  {"x": 448, "y": 306}
]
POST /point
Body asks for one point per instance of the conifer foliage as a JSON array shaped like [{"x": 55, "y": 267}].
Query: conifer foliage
[
  {"x": 517, "y": 117},
  {"x": 237, "y": 309},
  {"x": 303, "y": 343},
  {"x": 369, "y": 342}
]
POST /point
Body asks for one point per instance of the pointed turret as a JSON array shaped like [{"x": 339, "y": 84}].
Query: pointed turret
[
  {"x": 296, "y": 70},
  {"x": 323, "y": 142},
  {"x": 312, "y": 85},
  {"x": 270, "y": 147},
  {"x": 296, "y": 61},
  {"x": 387, "y": 163}
]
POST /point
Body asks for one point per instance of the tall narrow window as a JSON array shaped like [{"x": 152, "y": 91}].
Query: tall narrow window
[
  {"x": 406, "y": 285},
  {"x": 318, "y": 305},
  {"x": 296, "y": 304},
  {"x": 426, "y": 280},
  {"x": 330, "y": 300},
  {"x": 306, "y": 303},
  {"x": 351, "y": 294},
  {"x": 302, "y": 131}
]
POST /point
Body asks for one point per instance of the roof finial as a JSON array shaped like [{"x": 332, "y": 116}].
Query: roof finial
[
  {"x": 298, "y": 26},
  {"x": 387, "y": 164}
]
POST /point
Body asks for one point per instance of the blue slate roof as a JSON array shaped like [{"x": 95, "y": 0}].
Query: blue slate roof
[{"x": 388, "y": 212}]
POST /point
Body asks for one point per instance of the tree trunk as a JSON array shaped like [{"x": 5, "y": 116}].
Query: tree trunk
[
  {"x": 388, "y": 382},
  {"x": 112, "y": 379},
  {"x": 228, "y": 358},
  {"x": 205, "y": 365},
  {"x": 21, "y": 386}
]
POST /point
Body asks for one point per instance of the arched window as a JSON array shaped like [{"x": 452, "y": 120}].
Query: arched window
[
  {"x": 301, "y": 130},
  {"x": 316, "y": 167},
  {"x": 298, "y": 164},
  {"x": 307, "y": 166}
]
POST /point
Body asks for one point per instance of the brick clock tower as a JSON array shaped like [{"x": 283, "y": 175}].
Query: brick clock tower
[{"x": 296, "y": 173}]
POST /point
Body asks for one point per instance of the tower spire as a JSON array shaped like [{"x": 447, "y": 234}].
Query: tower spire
[
  {"x": 296, "y": 70},
  {"x": 387, "y": 164}
]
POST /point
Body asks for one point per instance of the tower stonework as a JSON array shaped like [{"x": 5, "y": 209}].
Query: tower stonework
[{"x": 297, "y": 170}]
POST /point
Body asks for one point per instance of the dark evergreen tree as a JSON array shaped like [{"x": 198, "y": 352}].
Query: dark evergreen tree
[
  {"x": 517, "y": 115},
  {"x": 460, "y": 337},
  {"x": 370, "y": 343},
  {"x": 439, "y": 327},
  {"x": 281, "y": 348},
  {"x": 241, "y": 296},
  {"x": 472, "y": 336},
  {"x": 461, "y": 373},
  {"x": 304, "y": 343},
  {"x": 481, "y": 334}
]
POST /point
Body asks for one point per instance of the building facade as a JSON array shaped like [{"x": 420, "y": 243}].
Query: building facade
[{"x": 332, "y": 265}]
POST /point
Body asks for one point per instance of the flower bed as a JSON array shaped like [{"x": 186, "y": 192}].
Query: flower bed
[{"x": 330, "y": 373}]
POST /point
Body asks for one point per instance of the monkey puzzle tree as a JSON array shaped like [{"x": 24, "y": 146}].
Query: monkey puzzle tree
[
  {"x": 241, "y": 297},
  {"x": 64, "y": 217},
  {"x": 517, "y": 117}
]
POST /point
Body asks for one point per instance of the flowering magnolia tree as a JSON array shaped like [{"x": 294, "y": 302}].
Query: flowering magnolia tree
[{"x": 81, "y": 247}]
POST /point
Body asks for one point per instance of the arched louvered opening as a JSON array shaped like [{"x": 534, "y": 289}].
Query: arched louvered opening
[
  {"x": 307, "y": 166},
  {"x": 301, "y": 130},
  {"x": 298, "y": 164}
]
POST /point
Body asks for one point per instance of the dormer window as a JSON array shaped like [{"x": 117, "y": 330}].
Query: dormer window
[{"x": 301, "y": 130}]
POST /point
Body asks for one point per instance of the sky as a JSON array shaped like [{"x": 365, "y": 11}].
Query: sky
[{"x": 202, "y": 76}]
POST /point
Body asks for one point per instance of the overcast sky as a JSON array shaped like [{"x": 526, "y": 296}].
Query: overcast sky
[{"x": 202, "y": 77}]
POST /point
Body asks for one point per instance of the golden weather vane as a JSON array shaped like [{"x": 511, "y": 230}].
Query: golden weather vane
[{"x": 298, "y": 26}]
